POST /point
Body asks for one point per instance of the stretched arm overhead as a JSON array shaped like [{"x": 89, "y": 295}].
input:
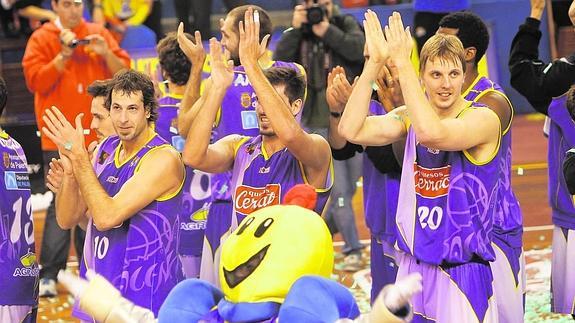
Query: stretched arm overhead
[
  {"x": 145, "y": 186},
  {"x": 475, "y": 128},
  {"x": 196, "y": 54},
  {"x": 355, "y": 125},
  {"x": 198, "y": 153},
  {"x": 311, "y": 150}
]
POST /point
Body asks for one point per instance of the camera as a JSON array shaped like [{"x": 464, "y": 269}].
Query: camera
[
  {"x": 77, "y": 42},
  {"x": 316, "y": 13}
]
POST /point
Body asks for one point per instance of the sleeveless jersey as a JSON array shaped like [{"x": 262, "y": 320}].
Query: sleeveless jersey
[
  {"x": 446, "y": 204},
  {"x": 561, "y": 139},
  {"x": 380, "y": 192},
  {"x": 139, "y": 257},
  {"x": 238, "y": 116},
  {"x": 260, "y": 180},
  {"x": 18, "y": 266},
  {"x": 196, "y": 192},
  {"x": 508, "y": 220}
]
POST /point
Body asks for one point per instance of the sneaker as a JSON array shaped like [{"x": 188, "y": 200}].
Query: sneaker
[
  {"x": 352, "y": 262},
  {"x": 47, "y": 288}
]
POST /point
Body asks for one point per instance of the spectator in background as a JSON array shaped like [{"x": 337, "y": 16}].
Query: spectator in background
[
  {"x": 201, "y": 11},
  {"x": 31, "y": 9},
  {"x": 61, "y": 59},
  {"x": 154, "y": 20},
  {"x": 428, "y": 13},
  {"x": 329, "y": 40},
  {"x": 545, "y": 87},
  {"x": 125, "y": 19}
]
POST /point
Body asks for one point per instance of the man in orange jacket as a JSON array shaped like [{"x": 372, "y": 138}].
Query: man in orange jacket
[{"x": 62, "y": 58}]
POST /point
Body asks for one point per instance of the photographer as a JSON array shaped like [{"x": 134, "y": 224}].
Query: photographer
[
  {"x": 61, "y": 60},
  {"x": 320, "y": 39}
]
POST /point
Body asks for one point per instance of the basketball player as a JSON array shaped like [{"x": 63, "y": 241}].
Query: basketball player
[
  {"x": 18, "y": 266},
  {"x": 237, "y": 116},
  {"x": 176, "y": 70},
  {"x": 508, "y": 221},
  {"x": 449, "y": 181},
  {"x": 267, "y": 165},
  {"x": 101, "y": 124},
  {"x": 380, "y": 171},
  {"x": 134, "y": 209}
]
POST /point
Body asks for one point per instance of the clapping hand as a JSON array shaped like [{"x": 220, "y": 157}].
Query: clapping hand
[{"x": 250, "y": 48}]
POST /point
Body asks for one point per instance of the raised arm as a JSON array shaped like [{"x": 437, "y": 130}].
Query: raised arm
[
  {"x": 198, "y": 153},
  {"x": 145, "y": 186},
  {"x": 70, "y": 206},
  {"x": 474, "y": 128},
  {"x": 196, "y": 54},
  {"x": 311, "y": 150},
  {"x": 355, "y": 125}
]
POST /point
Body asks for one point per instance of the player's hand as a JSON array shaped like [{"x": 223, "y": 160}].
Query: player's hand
[
  {"x": 537, "y": 7},
  {"x": 58, "y": 169},
  {"x": 222, "y": 69},
  {"x": 194, "y": 50},
  {"x": 388, "y": 90},
  {"x": 398, "y": 39},
  {"x": 250, "y": 48},
  {"x": 98, "y": 44},
  {"x": 376, "y": 46},
  {"x": 299, "y": 16},
  {"x": 69, "y": 140}
]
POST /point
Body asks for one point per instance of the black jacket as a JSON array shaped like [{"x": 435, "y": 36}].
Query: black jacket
[
  {"x": 538, "y": 82},
  {"x": 341, "y": 45}
]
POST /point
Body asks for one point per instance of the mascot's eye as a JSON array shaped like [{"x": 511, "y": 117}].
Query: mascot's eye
[
  {"x": 244, "y": 227},
  {"x": 263, "y": 227}
]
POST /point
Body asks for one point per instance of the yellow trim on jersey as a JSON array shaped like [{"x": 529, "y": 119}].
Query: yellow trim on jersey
[
  {"x": 471, "y": 86},
  {"x": 4, "y": 135},
  {"x": 506, "y": 99},
  {"x": 166, "y": 196},
  {"x": 117, "y": 162},
  {"x": 329, "y": 178},
  {"x": 239, "y": 144},
  {"x": 175, "y": 96},
  {"x": 264, "y": 152},
  {"x": 497, "y": 147}
]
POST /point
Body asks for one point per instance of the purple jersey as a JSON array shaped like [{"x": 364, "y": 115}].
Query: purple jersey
[
  {"x": 139, "y": 257},
  {"x": 379, "y": 210},
  {"x": 508, "y": 220},
  {"x": 18, "y": 266},
  {"x": 561, "y": 139},
  {"x": 260, "y": 180},
  {"x": 238, "y": 116},
  {"x": 446, "y": 204},
  {"x": 196, "y": 191}
]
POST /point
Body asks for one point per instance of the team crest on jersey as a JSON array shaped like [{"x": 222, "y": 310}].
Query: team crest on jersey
[
  {"x": 431, "y": 182},
  {"x": 6, "y": 159},
  {"x": 249, "y": 199},
  {"x": 103, "y": 156},
  {"x": 250, "y": 148},
  {"x": 246, "y": 100}
]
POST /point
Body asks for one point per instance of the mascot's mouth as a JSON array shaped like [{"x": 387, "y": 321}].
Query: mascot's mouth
[{"x": 238, "y": 275}]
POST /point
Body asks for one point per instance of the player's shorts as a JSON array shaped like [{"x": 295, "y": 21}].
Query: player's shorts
[
  {"x": 508, "y": 281},
  {"x": 562, "y": 271},
  {"x": 459, "y": 293},
  {"x": 18, "y": 313},
  {"x": 383, "y": 265}
]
